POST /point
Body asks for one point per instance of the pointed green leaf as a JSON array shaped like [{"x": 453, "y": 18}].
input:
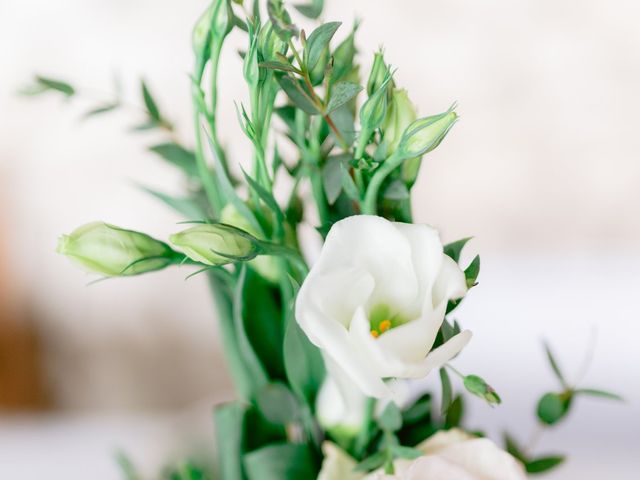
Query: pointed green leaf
[
  {"x": 472, "y": 271},
  {"x": 282, "y": 461},
  {"x": 348, "y": 184},
  {"x": 150, "y": 103},
  {"x": 100, "y": 110},
  {"x": 454, "y": 413},
  {"x": 277, "y": 404},
  {"x": 298, "y": 96},
  {"x": 229, "y": 420},
  {"x": 332, "y": 178},
  {"x": 372, "y": 462},
  {"x": 341, "y": 93},
  {"x": 406, "y": 452},
  {"x": 554, "y": 364},
  {"x": 318, "y": 41},
  {"x": 512, "y": 447},
  {"x": 48, "y": 83},
  {"x": 391, "y": 419},
  {"x": 187, "y": 207},
  {"x": 311, "y": 10},
  {"x": 544, "y": 464},
  {"x": 454, "y": 249},
  {"x": 592, "y": 392},
  {"x": 279, "y": 66},
  {"x": 178, "y": 156}
]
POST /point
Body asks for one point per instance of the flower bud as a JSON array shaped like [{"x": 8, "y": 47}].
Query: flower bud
[
  {"x": 114, "y": 251},
  {"x": 216, "y": 22},
  {"x": 401, "y": 113},
  {"x": 265, "y": 265},
  {"x": 425, "y": 134},
  {"x": 270, "y": 44},
  {"x": 216, "y": 244},
  {"x": 374, "y": 110},
  {"x": 250, "y": 65},
  {"x": 378, "y": 73}
]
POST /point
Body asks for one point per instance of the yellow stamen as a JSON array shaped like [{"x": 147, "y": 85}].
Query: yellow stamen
[
  {"x": 384, "y": 325},
  {"x": 375, "y": 333}
]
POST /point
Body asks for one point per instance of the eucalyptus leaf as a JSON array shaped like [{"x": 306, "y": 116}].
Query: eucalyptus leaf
[
  {"x": 281, "y": 20},
  {"x": 297, "y": 94},
  {"x": 348, "y": 184},
  {"x": 311, "y": 10},
  {"x": 341, "y": 93},
  {"x": 390, "y": 419},
  {"x": 282, "y": 461},
  {"x": 476, "y": 385},
  {"x": 318, "y": 41},
  {"x": 545, "y": 464},
  {"x": 279, "y": 66},
  {"x": 332, "y": 178},
  {"x": 372, "y": 462},
  {"x": 277, "y": 404},
  {"x": 552, "y": 408}
]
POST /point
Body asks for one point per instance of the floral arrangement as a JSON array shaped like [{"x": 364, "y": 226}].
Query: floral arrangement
[{"x": 325, "y": 357}]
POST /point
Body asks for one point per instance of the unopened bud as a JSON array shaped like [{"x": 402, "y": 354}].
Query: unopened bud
[
  {"x": 216, "y": 22},
  {"x": 378, "y": 73},
  {"x": 216, "y": 244},
  {"x": 425, "y": 134},
  {"x": 114, "y": 251},
  {"x": 374, "y": 110},
  {"x": 270, "y": 44},
  {"x": 400, "y": 114}
]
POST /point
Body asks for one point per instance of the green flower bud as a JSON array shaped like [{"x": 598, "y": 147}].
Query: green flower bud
[
  {"x": 250, "y": 66},
  {"x": 216, "y": 244},
  {"x": 265, "y": 265},
  {"x": 270, "y": 44},
  {"x": 401, "y": 113},
  {"x": 114, "y": 251},
  {"x": 374, "y": 110},
  {"x": 378, "y": 73},
  {"x": 216, "y": 22},
  {"x": 425, "y": 134}
]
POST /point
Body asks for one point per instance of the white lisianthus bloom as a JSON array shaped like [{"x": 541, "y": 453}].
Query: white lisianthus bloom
[
  {"x": 375, "y": 299},
  {"x": 451, "y": 455}
]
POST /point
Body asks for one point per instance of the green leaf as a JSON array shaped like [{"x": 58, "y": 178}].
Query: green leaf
[
  {"x": 418, "y": 412},
  {"x": 298, "y": 96},
  {"x": 513, "y": 448},
  {"x": 391, "y": 419},
  {"x": 544, "y": 464},
  {"x": 341, "y": 93},
  {"x": 554, "y": 365},
  {"x": 454, "y": 413},
  {"x": 472, "y": 271},
  {"x": 47, "y": 83},
  {"x": 318, "y": 41},
  {"x": 454, "y": 249},
  {"x": 592, "y": 392},
  {"x": 406, "y": 452},
  {"x": 279, "y": 66},
  {"x": 348, "y": 185},
  {"x": 447, "y": 392},
  {"x": 311, "y": 10},
  {"x": 303, "y": 363},
  {"x": 127, "y": 467},
  {"x": 372, "y": 462},
  {"x": 476, "y": 385},
  {"x": 100, "y": 110},
  {"x": 397, "y": 191},
  {"x": 186, "y": 206},
  {"x": 552, "y": 407},
  {"x": 150, "y": 104},
  {"x": 252, "y": 363},
  {"x": 267, "y": 197},
  {"x": 178, "y": 156},
  {"x": 229, "y": 420},
  {"x": 284, "y": 461},
  {"x": 277, "y": 404},
  {"x": 332, "y": 178}
]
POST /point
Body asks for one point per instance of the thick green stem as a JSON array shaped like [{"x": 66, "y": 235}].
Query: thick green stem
[{"x": 370, "y": 204}]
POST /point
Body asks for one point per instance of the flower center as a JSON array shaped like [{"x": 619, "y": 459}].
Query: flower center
[{"x": 382, "y": 319}]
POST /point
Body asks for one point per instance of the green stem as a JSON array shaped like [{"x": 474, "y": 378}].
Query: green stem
[
  {"x": 363, "y": 436},
  {"x": 370, "y": 204},
  {"x": 205, "y": 174},
  {"x": 214, "y": 60}
]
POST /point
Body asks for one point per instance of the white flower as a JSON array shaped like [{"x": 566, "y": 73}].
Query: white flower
[
  {"x": 375, "y": 299},
  {"x": 450, "y": 455}
]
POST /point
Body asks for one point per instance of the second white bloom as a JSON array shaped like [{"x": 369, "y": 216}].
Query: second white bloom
[{"x": 376, "y": 298}]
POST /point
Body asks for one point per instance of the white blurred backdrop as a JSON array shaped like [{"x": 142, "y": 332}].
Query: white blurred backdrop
[{"x": 543, "y": 169}]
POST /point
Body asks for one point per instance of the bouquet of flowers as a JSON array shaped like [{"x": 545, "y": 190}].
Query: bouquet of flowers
[{"x": 324, "y": 354}]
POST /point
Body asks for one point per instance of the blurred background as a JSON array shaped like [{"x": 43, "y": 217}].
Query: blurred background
[{"x": 543, "y": 170}]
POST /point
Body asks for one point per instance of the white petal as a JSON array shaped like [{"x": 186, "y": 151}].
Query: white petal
[
  {"x": 484, "y": 459},
  {"x": 337, "y": 465},
  {"x": 443, "y": 439},
  {"x": 412, "y": 341},
  {"x": 426, "y": 254},
  {"x": 340, "y": 402},
  {"x": 451, "y": 282},
  {"x": 374, "y": 245},
  {"x": 437, "y": 468},
  {"x": 439, "y": 356}
]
